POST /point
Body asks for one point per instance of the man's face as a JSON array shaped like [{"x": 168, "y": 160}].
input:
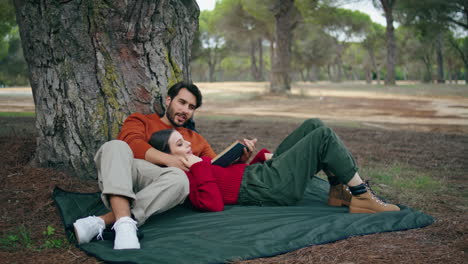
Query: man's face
[{"x": 181, "y": 108}]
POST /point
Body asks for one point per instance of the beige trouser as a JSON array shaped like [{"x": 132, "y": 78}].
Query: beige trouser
[{"x": 151, "y": 189}]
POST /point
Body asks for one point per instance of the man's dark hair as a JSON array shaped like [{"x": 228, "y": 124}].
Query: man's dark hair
[
  {"x": 192, "y": 88},
  {"x": 160, "y": 140}
]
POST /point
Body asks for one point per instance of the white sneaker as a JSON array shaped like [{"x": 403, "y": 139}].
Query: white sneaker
[
  {"x": 125, "y": 234},
  {"x": 87, "y": 228}
]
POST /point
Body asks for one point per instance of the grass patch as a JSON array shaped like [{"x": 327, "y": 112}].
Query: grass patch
[
  {"x": 407, "y": 185},
  {"x": 21, "y": 239},
  {"x": 17, "y": 114},
  {"x": 404, "y": 178},
  {"x": 17, "y": 126},
  {"x": 398, "y": 183}
]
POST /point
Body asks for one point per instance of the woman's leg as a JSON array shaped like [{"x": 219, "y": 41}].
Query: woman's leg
[
  {"x": 283, "y": 179},
  {"x": 305, "y": 128}
]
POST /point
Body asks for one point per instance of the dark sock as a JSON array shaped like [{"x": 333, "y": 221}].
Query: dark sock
[
  {"x": 359, "y": 189},
  {"x": 333, "y": 181}
]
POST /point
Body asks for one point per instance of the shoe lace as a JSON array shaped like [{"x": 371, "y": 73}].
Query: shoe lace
[
  {"x": 99, "y": 236},
  {"x": 100, "y": 230},
  {"x": 373, "y": 195},
  {"x": 125, "y": 223}
]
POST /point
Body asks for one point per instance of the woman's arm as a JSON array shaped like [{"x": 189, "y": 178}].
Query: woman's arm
[
  {"x": 261, "y": 157},
  {"x": 204, "y": 191}
]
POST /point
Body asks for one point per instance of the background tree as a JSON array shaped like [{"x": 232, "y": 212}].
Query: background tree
[
  {"x": 286, "y": 17},
  {"x": 342, "y": 25},
  {"x": 212, "y": 42},
  {"x": 388, "y": 6},
  {"x": 243, "y": 29},
  {"x": 434, "y": 17},
  {"x": 13, "y": 68},
  {"x": 311, "y": 50},
  {"x": 374, "y": 39},
  {"x": 262, "y": 11},
  {"x": 93, "y": 62}
]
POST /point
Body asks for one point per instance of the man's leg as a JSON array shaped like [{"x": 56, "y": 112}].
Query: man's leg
[
  {"x": 157, "y": 189},
  {"x": 114, "y": 161},
  {"x": 283, "y": 179}
]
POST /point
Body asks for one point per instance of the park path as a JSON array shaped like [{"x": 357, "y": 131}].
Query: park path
[
  {"x": 386, "y": 110},
  {"x": 368, "y": 107}
]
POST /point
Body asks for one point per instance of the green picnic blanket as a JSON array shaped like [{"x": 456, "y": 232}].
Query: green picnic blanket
[{"x": 184, "y": 235}]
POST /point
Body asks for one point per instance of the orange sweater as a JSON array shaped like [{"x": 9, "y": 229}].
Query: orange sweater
[{"x": 138, "y": 128}]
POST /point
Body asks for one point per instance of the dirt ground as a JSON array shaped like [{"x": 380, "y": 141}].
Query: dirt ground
[{"x": 437, "y": 145}]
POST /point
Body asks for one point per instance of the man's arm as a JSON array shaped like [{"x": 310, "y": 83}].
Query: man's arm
[
  {"x": 133, "y": 132},
  {"x": 160, "y": 158}
]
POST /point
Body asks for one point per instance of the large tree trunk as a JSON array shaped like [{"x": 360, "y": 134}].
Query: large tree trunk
[
  {"x": 93, "y": 62},
  {"x": 285, "y": 21},
  {"x": 390, "y": 36}
]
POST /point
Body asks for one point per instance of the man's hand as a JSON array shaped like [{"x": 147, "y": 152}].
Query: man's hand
[
  {"x": 250, "y": 148},
  {"x": 192, "y": 159},
  {"x": 178, "y": 162}
]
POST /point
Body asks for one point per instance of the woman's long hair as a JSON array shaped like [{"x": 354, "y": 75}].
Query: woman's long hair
[{"x": 160, "y": 140}]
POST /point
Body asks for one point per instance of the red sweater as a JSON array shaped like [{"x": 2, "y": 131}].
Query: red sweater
[{"x": 212, "y": 186}]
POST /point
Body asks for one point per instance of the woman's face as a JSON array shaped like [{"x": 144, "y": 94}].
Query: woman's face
[{"x": 179, "y": 146}]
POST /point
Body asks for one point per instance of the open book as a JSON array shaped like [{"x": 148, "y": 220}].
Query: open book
[{"x": 230, "y": 155}]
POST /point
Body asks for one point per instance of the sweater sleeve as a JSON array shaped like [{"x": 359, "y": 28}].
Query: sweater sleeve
[
  {"x": 204, "y": 191},
  {"x": 134, "y": 133},
  {"x": 260, "y": 157},
  {"x": 207, "y": 150}
]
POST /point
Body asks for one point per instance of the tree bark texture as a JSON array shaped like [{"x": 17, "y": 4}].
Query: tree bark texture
[
  {"x": 391, "y": 45},
  {"x": 285, "y": 21},
  {"x": 93, "y": 62}
]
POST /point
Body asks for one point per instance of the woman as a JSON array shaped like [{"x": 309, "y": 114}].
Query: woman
[{"x": 279, "y": 180}]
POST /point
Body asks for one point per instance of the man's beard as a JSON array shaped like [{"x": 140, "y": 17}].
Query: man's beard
[{"x": 170, "y": 116}]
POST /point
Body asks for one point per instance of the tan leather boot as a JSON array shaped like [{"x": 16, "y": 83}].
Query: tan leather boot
[
  {"x": 369, "y": 203},
  {"x": 339, "y": 195}
]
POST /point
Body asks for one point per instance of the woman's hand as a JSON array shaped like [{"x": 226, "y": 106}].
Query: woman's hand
[
  {"x": 192, "y": 159},
  {"x": 250, "y": 148}
]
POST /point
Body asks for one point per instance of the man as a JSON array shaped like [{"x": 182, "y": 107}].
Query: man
[{"x": 133, "y": 182}]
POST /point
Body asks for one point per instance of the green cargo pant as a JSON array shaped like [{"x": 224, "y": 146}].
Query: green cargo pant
[{"x": 282, "y": 180}]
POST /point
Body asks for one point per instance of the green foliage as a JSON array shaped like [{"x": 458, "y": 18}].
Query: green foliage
[
  {"x": 404, "y": 183},
  {"x": 434, "y": 13},
  {"x": 403, "y": 178},
  {"x": 13, "y": 68},
  {"x": 51, "y": 241},
  {"x": 7, "y": 19},
  {"x": 324, "y": 36},
  {"x": 21, "y": 239},
  {"x": 312, "y": 46}
]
